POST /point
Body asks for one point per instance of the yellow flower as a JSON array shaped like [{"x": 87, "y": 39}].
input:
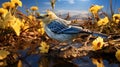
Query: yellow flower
[
  {"x": 34, "y": 8},
  {"x": 95, "y": 8},
  {"x": 44, "y": 47},
  {"x": 97, "y": 43},
  {"x": 103, "y": 21},
  {"x": 8, "y": 5},
  {"x": 116, "y": 18},
  {"x": 117, "y": 55},
  {"x": 17, "y": 2},
  {"x": 3, "y": 12}
]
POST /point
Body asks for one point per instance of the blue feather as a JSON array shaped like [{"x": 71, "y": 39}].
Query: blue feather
[
  {"x": 55, "y": 26},
  {"x": 70, "y": 30},
  {"x": 60, "y": 28}
]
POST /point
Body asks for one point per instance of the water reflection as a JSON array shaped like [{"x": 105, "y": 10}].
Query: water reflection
[
  {"x": 47, "y": 61},
  {"x": 55, "y": 62},
  {"x": 98, "y": 62}
]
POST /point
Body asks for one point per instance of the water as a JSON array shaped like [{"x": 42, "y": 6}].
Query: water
[{"x": 47, "y": 61}]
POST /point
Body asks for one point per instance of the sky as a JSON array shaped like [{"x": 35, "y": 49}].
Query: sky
[{"x": 74, "y": 7}]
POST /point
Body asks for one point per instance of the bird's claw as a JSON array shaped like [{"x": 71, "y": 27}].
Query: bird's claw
[{"x": 65, "y": 47}]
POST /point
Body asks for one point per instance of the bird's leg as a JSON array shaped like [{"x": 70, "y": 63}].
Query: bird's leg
[
  {"x": 65, "y": 47},
  {"x": 88, "y": 39},
  {"x": 61, "y": 46}
]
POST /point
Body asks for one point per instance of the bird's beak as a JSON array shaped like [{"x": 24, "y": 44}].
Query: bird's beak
[{"x": 40, "y": 17}]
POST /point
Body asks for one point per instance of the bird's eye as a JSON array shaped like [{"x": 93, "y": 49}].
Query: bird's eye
[{"x": 47, "y": 15}]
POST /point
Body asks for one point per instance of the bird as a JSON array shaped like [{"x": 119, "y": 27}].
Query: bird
[{"x": 61, "y": 30}]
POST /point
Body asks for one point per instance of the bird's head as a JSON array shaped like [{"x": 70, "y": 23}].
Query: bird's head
[{"x": 49, "y": 16}]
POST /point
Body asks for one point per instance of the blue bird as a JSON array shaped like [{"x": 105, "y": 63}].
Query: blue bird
[{"x": 59, "y": 29}]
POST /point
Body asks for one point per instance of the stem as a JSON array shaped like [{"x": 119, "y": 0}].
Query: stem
[{"x": 111, "y": 8}]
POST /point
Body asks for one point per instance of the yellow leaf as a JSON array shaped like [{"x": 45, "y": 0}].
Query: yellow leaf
[
  {"x": 98, "y": 62},
  {"x": 117, "y": 54},
  {"x": 31, "y": 17},
  {"x": 17, "y": 26},
  {"x": 41, "y": 23},
  {"x": 41, "y": 31},
  {"x": 7, "y": 21},
  {"x": 3, "y": 54},
  {"x": 25, "y": 27},
  {"x": 3, "y": 12},
  {"x": 19, "y": 64},
  {"x": 44, "y": 47}
]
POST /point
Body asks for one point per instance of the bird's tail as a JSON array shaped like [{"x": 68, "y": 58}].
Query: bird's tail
[{"x": 99, "y": 34}]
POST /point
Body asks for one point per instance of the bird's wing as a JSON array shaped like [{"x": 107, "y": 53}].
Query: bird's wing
[
  {"x": 56, "y": 26},
  {"x": 60, "y": 28},
  {"x": 74, "y": 30}
]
